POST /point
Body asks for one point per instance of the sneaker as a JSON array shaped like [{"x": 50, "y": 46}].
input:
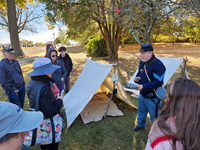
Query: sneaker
[{"x": 137, "y": 128}]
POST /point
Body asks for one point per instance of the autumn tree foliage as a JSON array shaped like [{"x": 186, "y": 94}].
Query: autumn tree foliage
[
  {"x": 16, "y": 16},
  {"x": 84, "y": 15},
  {"x": 139, "y": 17},
  {"x": 58, "y": 40},
  {"x": 142, "y": 16}
]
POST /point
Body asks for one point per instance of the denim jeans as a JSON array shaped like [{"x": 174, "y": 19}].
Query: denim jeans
[
  {"x": 67, "y": 79},
  {"x": 61, "y": 87},
  {"x": 146, "y": 105},
  {"x": 17, "y": 98}
]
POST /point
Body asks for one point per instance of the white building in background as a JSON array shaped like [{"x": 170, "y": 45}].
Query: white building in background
[
  {"x": 5, "y": 45},
  {"x": 70, "y": 43},
  {"x": 50, "y": 42}
]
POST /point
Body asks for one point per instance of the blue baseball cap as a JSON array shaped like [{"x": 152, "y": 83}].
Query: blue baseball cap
[
  {"x": 8, "y": 49},
  {"x": 14, "y": 119},
  {"x": 42, "y": 66},
  {"x": 146, "y": 47}
]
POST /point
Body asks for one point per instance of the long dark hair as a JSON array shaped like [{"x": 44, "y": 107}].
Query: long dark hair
[
  {"x": 183, "y": 104},
  {"x": 47, "y": 47}
]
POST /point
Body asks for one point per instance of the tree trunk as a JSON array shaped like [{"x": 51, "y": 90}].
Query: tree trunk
[
  {"x": 148, "y": 38},
  {"x": 13, "y": 30},
  {"x": 112, "y": 36},
  {"x": 113, "y": 53},
  {"x": 122, "y": 44}
]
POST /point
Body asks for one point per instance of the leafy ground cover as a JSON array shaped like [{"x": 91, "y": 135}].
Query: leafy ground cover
[{"x": 114, "y": 133}]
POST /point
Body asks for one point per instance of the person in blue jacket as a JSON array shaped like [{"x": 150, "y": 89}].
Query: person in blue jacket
[
  {"x": 11, "y": 77},
  {"x": 155, "y": 71},
  {"x": 60, "y": 73}
]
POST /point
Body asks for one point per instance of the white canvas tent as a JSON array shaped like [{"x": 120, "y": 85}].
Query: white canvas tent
[
  {"x": 171, "y": 64},
  {"x": 95, "y": 77}
]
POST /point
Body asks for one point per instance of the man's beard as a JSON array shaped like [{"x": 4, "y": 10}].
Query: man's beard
[
  {"x": 147, "y": 59},
  {"x": 144, "y": 60}
]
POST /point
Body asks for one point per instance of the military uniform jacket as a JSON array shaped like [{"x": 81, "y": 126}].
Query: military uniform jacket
[{"x": 156, "y": 71}]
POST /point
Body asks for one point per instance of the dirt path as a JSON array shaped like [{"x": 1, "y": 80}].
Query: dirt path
[{"x": 129, "y": 59}]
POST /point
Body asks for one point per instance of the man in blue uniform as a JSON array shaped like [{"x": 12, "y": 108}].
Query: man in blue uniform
[
  {"x": 155, "y": 70},
  {"x": 11, "y": 77}
]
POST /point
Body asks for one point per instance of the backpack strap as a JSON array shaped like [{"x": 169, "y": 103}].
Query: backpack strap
[
  {"x": 36, "y": 94},
  {"x": 150, "y": 62}
]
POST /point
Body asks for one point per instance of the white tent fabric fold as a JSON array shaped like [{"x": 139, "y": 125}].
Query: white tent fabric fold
[
  {"x": 89, "y": 82},
  {"x": 171, "y": 64}
]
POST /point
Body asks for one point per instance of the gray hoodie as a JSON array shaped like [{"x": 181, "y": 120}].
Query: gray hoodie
[{"x": 60, "y": 72}]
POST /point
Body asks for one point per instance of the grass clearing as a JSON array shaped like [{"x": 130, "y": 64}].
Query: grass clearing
[
  {"x": 28, "y": 48},
  {"x": 115, "y": 132}
]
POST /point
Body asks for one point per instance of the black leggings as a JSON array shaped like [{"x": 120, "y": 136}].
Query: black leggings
[{"x": 49, "y": 146}]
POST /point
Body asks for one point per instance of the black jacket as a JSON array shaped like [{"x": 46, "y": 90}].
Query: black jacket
[
  {"x": 47, "y": 102},
  {"x": 67, "y": 62}
]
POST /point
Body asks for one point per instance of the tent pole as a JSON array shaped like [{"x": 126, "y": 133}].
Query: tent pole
[
  {"x": 115, "y": 66},
  {"x": 183, "y": 69}
]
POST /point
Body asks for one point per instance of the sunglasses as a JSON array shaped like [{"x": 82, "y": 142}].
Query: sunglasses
[
  {"x": 54, "y": 56},
  {"x": 10, "y": 53}
]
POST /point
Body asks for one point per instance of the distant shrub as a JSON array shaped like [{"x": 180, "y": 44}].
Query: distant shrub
[
  {"x": 172, "y": 39},
  {"x": 182, "y": 40},
  {"x": 97, "y": 47},
  {"x": 164, "y": 39},
  {"x": 130, "y": 41}
]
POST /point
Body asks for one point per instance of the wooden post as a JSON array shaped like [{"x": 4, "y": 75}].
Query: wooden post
[
  {"x": 122, "y": 43},
  {"x": 115, "y": 67},
  {"x": 183, "y": 68}
]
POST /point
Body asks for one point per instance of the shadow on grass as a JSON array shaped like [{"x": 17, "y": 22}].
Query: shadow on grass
[
  {"x": 75, "y": 49},
  {"x": 109, "y": 133},
  {"x": 194, "y": 73}
]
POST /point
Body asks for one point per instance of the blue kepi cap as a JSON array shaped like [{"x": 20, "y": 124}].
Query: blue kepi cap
[{"x": 146, "y": 47}]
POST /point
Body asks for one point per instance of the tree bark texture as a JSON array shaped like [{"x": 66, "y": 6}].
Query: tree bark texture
[
  {"x": 13, "y": 30},
  {"x": 112, "y": 36}
]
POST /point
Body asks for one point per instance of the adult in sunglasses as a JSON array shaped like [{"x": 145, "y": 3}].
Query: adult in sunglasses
[
  {"x": 60, "y": 73},
  {"x": 11, "y": 77}
]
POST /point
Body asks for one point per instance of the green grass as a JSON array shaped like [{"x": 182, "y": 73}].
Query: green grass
[
  {"x": 28, "y": 48},
  {"x": 110, "y": 133}
]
